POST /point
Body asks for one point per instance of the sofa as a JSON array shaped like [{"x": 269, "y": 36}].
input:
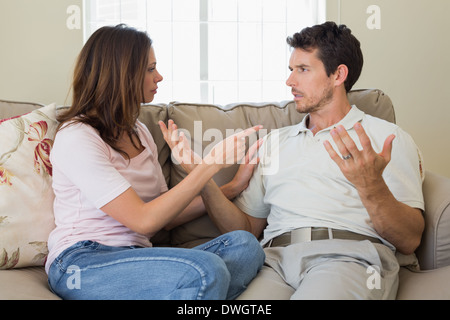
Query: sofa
[{"x": 26, "y": 216}]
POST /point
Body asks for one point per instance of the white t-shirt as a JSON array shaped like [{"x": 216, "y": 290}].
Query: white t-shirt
[
  {"x": 297, "y": 184},
  {"x": 88, "y": 174}
]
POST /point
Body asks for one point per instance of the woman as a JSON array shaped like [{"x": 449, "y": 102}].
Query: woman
[{"x": 111, "y": 197}]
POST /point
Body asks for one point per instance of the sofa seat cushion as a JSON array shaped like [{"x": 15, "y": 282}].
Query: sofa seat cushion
[
  {"x": 268, "y": 285},
  {"x": 25, "y": 284},
  {"x": 424, "y": 285}
]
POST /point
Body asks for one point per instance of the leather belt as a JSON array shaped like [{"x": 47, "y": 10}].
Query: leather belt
[{"x": 309, "y": 234}]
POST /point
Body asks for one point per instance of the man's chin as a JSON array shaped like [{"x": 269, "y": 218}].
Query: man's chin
[{"x": 301, "y": 108}]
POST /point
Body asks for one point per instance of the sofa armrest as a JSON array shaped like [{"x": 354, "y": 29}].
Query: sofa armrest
[{"x": 434, "y": 251}]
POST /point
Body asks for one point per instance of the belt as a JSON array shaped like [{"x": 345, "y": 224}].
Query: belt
[{"x": 309, "y": 234}]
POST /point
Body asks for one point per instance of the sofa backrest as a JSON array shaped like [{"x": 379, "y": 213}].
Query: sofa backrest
[{"x": 10, "y": 109}]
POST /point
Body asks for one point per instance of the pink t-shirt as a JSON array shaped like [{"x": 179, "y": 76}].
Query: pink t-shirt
[{"x": 88, "y": 174}]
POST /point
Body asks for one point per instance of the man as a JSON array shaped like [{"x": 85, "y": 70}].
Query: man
[{"x": 345, "y": 196}]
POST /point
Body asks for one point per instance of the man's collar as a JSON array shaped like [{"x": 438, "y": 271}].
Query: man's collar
[{"x": 353, "y": 116}]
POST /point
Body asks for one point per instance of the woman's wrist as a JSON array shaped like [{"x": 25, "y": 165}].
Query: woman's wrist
[{"x": 209, "y": 169}]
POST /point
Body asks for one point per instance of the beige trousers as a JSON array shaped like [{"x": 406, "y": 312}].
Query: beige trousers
[{"x": 327, "y": 269}]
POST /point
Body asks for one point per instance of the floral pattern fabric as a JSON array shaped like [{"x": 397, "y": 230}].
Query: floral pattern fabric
[{"x": 26, "y": 196}]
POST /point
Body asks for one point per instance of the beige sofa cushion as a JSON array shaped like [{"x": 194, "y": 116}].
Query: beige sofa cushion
[
  {"x": 9, "y": 109},
  {"x": 25, "y": 284},
  {"x": 211, "y": 118},
  {"x": 424, "y": 285}
]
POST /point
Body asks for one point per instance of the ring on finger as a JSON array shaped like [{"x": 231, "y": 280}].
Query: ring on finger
[{"x": 347, "y": 157}]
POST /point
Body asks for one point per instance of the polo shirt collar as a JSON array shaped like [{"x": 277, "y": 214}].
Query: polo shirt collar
[{"x": 353, "y": 116}]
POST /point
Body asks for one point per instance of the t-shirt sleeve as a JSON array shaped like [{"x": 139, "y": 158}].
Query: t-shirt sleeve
[
  {"x": 251, "y": 200},
  {"x": 404, "y": 174},
  {"x": 81, "y": 155}
]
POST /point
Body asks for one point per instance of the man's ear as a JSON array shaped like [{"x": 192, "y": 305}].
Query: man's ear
[{"x": 340, "y": 75}]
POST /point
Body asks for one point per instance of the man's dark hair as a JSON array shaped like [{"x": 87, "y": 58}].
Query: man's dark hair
[{"x": 336, "y": 45}]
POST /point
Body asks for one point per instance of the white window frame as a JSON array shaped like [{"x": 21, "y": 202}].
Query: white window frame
[{"x": 207, "y": 88}]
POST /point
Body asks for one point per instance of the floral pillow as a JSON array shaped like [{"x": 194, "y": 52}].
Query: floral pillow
[{"x": 26, "y": 195}]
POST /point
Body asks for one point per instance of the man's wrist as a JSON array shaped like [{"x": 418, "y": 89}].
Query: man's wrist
[{"x": 229, "y": 190}]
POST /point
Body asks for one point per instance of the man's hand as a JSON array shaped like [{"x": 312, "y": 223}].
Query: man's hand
[
  {"x": 395, "y": 221},
  {"x": 364, "y": 167},
  {"x": 244, "y": 173}
]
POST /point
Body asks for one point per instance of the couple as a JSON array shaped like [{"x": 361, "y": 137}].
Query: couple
[{"x": 111, "y": 197}]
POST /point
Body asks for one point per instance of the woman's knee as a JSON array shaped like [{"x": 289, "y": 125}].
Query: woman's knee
[
  {"x": 213, "y": 274},
  {"x": 249, "y": 244}
]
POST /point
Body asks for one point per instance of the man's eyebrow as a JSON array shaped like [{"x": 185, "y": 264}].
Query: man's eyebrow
[{"x": 299, "y": 66}]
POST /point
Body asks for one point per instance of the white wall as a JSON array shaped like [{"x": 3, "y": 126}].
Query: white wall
[
  {"x": 408, "y": 58},
  {"x": 38, "y": 51}
]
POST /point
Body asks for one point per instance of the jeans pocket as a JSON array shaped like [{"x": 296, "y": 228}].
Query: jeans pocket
[{"x": 65, "y": 259}]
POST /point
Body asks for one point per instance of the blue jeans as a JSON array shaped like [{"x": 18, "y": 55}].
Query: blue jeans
[{"x": 219, "y": 269}]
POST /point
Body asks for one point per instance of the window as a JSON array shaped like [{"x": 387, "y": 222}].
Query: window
[{"x": 214, "y": 51}]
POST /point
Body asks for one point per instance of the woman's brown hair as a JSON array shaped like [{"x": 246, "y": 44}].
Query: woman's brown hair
[{"x": 108, "y": 83}]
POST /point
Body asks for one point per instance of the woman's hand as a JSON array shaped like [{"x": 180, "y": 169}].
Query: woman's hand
[
  {"x": 181, "y": 150},
  {"x": 227, "y": 152},
  {"x": 230, "y": 150}
]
